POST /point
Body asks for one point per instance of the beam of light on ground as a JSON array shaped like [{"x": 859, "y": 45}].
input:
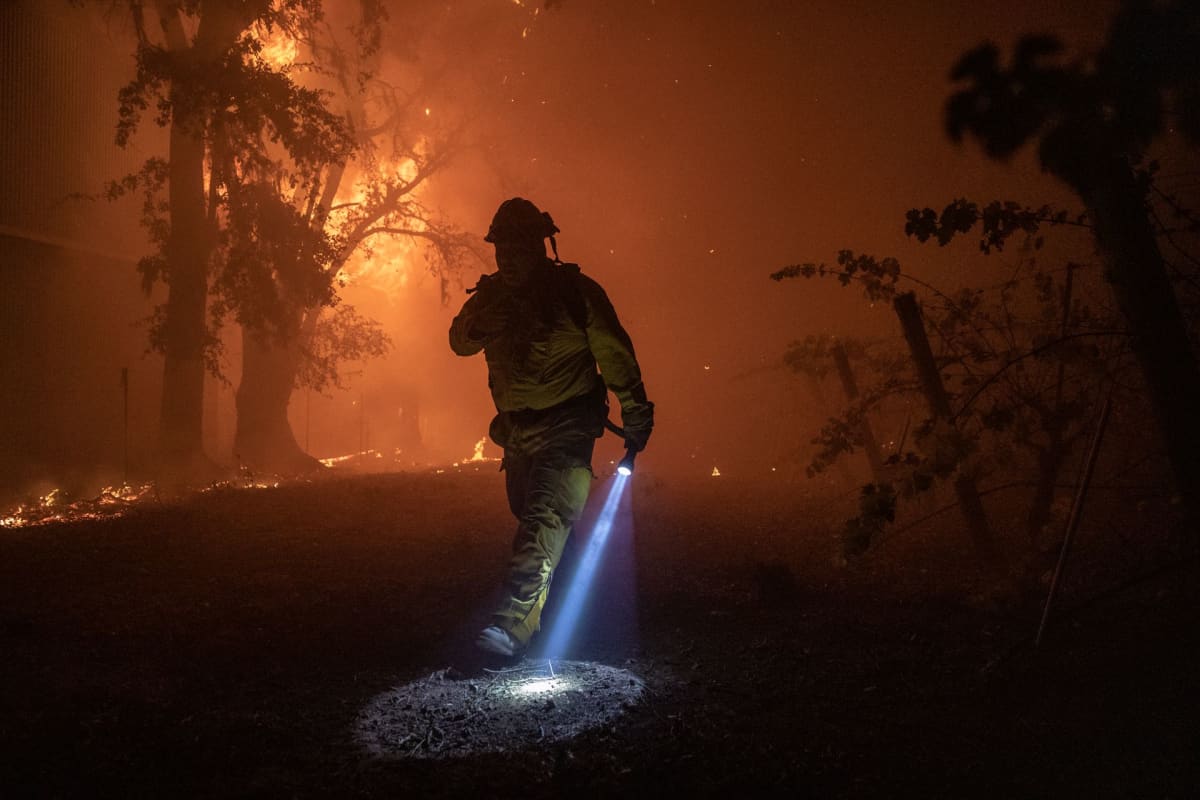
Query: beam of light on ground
[
  {"x": 559, "y": 638},
  {"x": 451, "y": 715}
]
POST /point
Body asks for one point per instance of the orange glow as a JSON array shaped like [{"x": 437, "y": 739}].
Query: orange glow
[
  {"x": 385, "y": 261},
  {"x": 334, "y": 461},
  {"x": 113, "y": 501},
  {"x": 386, "y": 265},
  {"x": 612, "y": 154},
  {"x": 279, "y": 48},
  {"x": 478, "y": 455}
]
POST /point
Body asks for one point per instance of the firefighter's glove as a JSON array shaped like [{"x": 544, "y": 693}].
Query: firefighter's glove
[
  {"x": 493, "y": 317},
  {"x": 638, "y": 422}
]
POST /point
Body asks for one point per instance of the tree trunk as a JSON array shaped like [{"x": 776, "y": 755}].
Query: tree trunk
[
  {"x": 1160, "y": 341},
  {"x": 184, "y": 329},
  {"x": 188, "y": 249},
  {"x": 264, "y": 440}
]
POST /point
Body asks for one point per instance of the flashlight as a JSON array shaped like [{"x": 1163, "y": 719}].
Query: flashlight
[{"x": 625, "y": 467}]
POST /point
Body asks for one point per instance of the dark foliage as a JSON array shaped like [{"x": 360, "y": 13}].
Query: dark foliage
[
  {"x": 1084, "y": 112},
  {"x": 1020, "y": 363}
]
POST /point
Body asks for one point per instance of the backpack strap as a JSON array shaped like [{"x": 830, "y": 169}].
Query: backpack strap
[{"x": 567, "y": 282}]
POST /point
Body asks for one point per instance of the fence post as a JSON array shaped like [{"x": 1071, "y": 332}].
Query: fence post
[
  {"x": 1076, "y": 512},
  {"x": 939, "y": 404}
]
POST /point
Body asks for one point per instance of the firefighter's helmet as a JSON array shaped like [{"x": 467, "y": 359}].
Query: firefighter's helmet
[{"x": 520, "y": 220}]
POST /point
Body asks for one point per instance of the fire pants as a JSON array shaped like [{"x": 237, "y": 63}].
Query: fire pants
[{"x": 548, "y": 476}]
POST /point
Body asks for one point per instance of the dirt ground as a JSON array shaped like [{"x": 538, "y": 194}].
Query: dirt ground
[{"x": 227, "y": 645}]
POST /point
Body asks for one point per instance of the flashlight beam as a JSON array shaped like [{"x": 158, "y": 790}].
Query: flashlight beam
[{"x": 572, "y": 607}]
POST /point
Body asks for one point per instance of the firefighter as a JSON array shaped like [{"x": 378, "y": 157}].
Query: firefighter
[{"x": 544, "y": 329}]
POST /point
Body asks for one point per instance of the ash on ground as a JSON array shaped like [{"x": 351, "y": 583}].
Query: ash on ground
[{"x": 448, "y": 715}]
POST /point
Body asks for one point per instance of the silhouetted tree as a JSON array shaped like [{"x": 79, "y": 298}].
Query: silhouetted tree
[
  {"x": 230, "y": 114},
  {"x": 244, "y": 208},
  {"x": 1093, "y": 121},
  {"x": 290, "y": 338}
]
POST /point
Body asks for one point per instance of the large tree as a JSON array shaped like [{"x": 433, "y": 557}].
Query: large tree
[
  {"x": 354, "y": 211},
  {"x": 292, "y": 334},
  {"x": 1094, "y": 121},
  {"x": 200, "y": 65},
  {"x": 290, "y": 156}
]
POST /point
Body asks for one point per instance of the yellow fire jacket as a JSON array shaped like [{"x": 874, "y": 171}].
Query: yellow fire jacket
[{"x": 545, "y": 339}]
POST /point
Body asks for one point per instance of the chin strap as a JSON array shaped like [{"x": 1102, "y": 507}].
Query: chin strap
[{"x": 554, "y": 247}]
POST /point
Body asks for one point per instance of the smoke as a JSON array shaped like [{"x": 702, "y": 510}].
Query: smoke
[{"x": 685, "y": 149}]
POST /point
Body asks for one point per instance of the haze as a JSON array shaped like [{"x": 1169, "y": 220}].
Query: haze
[{"x": 686, "y": 150}]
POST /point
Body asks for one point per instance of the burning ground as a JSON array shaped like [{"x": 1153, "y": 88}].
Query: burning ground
[{"x": 240, "y": 642}]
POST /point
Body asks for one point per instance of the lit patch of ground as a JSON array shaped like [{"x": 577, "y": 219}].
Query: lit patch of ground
[{"x": 450, "y": 715}]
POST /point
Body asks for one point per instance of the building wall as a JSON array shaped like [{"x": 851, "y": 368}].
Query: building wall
[{"x": 70, "y": 299}]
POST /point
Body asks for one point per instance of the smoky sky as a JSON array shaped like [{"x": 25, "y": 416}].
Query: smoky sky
[
  {"x": 685, "y": 149},
  {"x": 688, "y": 149}
]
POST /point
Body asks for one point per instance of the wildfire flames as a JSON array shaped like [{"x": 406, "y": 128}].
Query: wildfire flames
[
  {"x": 279, "y": 49},
  {"x": 384, "y": 267},
  {"x": 362, "y": 459},
  {"x": 384, "y": 262},
  {"x": 113, "y": 501},
  {"x": 477, "y": 457},
  {"x": 334, "y": 461}
]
